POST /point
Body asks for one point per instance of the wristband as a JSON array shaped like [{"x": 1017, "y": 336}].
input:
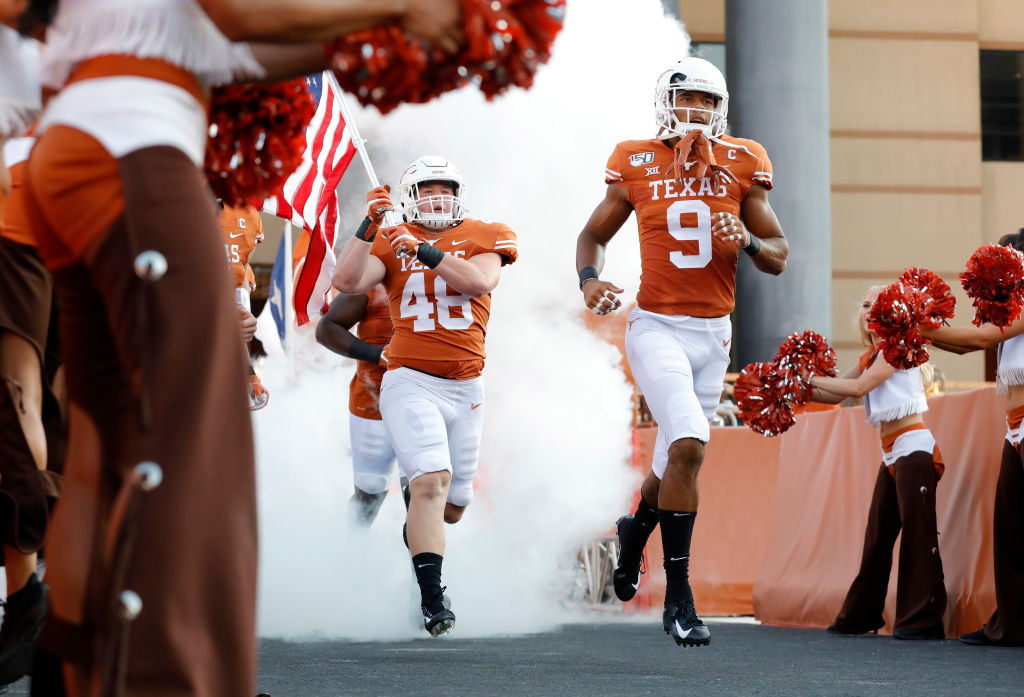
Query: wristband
[
  {"x": 362, "y": 351},
  {"x": 586, "y": 274},
  {"x": 430, "y": 255},
  {"x": 754, "y": 247},
  {"x": 363, "y": 228}
]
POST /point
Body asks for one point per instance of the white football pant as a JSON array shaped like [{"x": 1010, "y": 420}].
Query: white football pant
[
  {"x": 435, "y": 424},
  {"x": 373, "y": 458},
  {"x": 679, "y": 364}
]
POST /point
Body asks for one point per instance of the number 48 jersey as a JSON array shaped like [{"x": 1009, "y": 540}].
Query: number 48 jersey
[
  {"x": 437, "y": 329},
  {"x": 684, "y": 270}
]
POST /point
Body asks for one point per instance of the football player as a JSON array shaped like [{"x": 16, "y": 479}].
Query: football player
[
  {"x": 700, "y": 197},
  {"x": 243, "y": 230},
  {"x": 373, "y": 458},
  {"x": 439, "y": 268}
]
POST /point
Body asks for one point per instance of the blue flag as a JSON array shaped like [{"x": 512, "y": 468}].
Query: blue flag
[{"x": 276, "y": 299}]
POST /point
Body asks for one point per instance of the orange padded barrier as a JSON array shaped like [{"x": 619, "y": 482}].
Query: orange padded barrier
[
  {"x": 737, "y": 494},
  {"x": 781, "y": 521},
  {"x": 827, "y": 465}
]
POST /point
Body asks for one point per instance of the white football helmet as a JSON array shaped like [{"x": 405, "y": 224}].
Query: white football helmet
[
  {"x": 432, "y": 168},
  {"x": 695, "y": 75}
]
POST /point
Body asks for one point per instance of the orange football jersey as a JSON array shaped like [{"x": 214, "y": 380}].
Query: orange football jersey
[
  {"x": 375, "y": 328},
  {"x": 684, "y": 270},
  {"x": 437, "y": 329},
  {"x": 13, "y": 223},
  {"x": 243, "y": 230}
]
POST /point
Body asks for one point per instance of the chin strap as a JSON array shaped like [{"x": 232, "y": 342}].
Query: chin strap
[{"x": 695, "y": 145}]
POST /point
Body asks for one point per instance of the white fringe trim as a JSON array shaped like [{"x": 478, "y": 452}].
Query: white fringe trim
[
  {"x": 16, "y": 118},
  {"x": 1007, "y": 377},
  {"x": 917, "y": 405},
  {"x": 177, "y": 31}
]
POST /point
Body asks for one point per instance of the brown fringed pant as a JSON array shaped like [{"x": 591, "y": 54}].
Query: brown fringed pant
[
  {"x": 155, "y": 371},
  {"x": 1007, "y": 622},
  {"x": 904, "y": 499}
]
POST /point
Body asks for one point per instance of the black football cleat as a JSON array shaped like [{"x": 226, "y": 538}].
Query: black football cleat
[
  {"x": 24, "y": 613},
  {"x": 626, "y": 577},
  {"x": 681, "y": 621},
  {"x": 438, "y": 623}
]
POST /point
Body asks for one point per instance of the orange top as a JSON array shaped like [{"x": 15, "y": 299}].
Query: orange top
[
  {"x": 375, "y": 328},
  {"x": 243, "y": 230},
  {"x": 684, "y": 270},
  {"x": 438, "y": 330},
  {"x": 866, "y": 359}
]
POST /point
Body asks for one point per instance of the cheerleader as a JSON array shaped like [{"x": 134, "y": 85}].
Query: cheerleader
[
  {"x": 1006, "y": 626},
  {"x": 903, "y": 498}
]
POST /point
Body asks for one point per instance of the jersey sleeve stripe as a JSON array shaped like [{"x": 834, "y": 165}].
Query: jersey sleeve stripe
[{"x": 612, "y": 172}]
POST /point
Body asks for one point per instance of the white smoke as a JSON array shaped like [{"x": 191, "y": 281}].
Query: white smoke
[{"x": 554, "y": 464}]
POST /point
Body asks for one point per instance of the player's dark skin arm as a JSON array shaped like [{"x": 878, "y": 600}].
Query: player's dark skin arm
[
  {"x": 332, "y": 331},
  {"x": 760, "y": 220},
  {"x": 605, "y": 221}
]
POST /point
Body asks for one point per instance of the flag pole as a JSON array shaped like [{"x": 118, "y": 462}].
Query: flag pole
[
  {"x": 391, "y": 218},
  {"x": 289, "y": 310}
]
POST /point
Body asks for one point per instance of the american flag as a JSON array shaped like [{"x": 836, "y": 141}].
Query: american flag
[{"x": 309, "y": 198}]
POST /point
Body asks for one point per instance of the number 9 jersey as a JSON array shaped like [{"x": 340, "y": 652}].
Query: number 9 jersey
[
  {"x": 684, "y": 270},
  {"x": 437, "y": 329}
]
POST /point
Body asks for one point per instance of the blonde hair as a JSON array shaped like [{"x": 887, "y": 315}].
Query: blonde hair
[{"x": 865, "y": 337}]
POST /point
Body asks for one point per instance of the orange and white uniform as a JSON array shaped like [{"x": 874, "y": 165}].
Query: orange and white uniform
[
  {"x": 678, "y": 337},
  {"x": 373, "y": 458},
  {"x": 432, "y": 396},
  {"x": 684, "y": 270},
  {"x": 243, "y": 230}
]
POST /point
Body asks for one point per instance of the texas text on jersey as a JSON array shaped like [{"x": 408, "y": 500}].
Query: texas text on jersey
[
  {"x": 685, "y": 270},
  {"x": 437, "y": 329},
  {"x": 374, "y": 328}
]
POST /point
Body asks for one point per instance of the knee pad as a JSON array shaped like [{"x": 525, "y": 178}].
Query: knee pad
[
  {"x": 371, "y": 483},
  {"x": 460, "y": 493}
]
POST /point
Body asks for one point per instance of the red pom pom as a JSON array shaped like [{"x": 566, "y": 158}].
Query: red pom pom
[
  {"x": 257, "y": 137},
  {"x": 506, "y": 41},
  {"x": 940, "y": 303},
  {"x": 994, "y": 280},
  {"x": 761, "y": 394},
  {"x": 803, "y": 354},
  {"x": 894, "y": 318}
]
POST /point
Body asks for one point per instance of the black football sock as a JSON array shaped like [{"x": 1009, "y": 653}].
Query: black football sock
[
  {"x": 676, "y": 531},
  {"x": 428, "y": 574},
  {"x": 635, "y": 535}
]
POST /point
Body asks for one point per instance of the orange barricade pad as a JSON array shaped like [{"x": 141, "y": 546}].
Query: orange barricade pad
[
  {"x": 731, "y": 534},
  {"x": 827, "y": 465}
]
